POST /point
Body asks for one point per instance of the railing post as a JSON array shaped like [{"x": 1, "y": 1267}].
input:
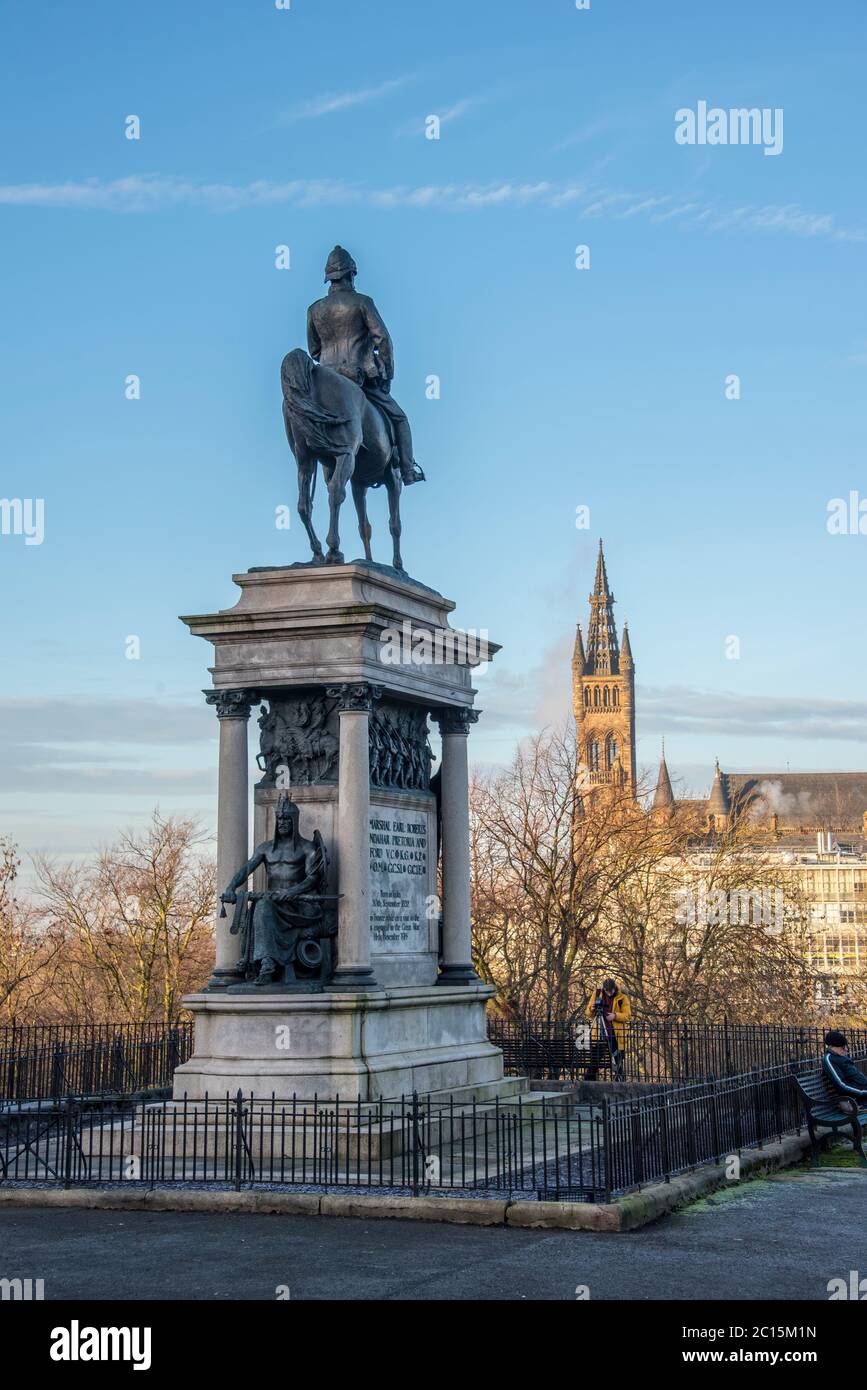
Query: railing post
[
  {"x": 757, "y": 1107},
  {"x": 607, "y": 1146},
  {"x": 68, "y": 1143},
  {"x": 239, "y": 1136},
  {"x": 666, "y": 1143},
  {"x": 714, "y": 1112},
  {"x": 415, "y": 1144},
  {"x": 635, "y": 1135},
  {"x": 57, "y": 1071}
]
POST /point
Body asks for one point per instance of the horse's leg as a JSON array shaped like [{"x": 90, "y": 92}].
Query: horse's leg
[
  {"x": 393, "y": 486},
  {"x": 341, "y": 473},
  {"x": 306, "y": 474},
  {"x": 359, "y": 497}
]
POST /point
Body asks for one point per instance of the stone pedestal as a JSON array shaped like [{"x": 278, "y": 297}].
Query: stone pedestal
[
  {"x": 348, "y": 663},
  {"x": 367, "y": 1043}
]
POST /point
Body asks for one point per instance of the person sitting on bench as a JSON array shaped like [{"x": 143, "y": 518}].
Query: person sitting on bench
[{"x": 840, "y": 1070}]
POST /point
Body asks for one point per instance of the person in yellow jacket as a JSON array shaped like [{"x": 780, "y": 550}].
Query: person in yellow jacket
[{"x": 613, "y": 1005}]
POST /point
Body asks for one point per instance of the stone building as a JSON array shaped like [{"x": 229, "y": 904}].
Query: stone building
[
  {"x": 815, "y": 825},
  {"x": 816, "y": 822}
]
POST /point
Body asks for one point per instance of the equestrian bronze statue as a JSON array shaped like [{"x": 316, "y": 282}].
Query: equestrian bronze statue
[{"x": 339, "y": 411}]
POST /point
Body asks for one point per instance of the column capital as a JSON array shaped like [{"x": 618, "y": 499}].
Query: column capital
[
  {"x": 455, "y": 721},
  {"x": 232, "y": 704},
  {"x": 356, "y": 696}
]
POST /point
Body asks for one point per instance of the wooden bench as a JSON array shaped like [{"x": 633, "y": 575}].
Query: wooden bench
[{"x": 827, "y": 1108}]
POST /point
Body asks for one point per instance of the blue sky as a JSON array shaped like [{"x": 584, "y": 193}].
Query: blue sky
[{"x": 559, "y": 387}]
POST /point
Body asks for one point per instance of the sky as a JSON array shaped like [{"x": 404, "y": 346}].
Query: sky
[{"x": 607, "y": 387}]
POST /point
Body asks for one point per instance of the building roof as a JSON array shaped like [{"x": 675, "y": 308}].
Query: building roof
[{"x": 805, "y": 799}]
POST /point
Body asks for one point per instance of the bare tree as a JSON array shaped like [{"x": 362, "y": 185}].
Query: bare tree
[
  {"x": 136, "y": 923},
  {"x": 571, "y": 884},
  {"x": 549, "y": 857},
  {"x": 28, "y": 946},
  {"x": 715, "y": 929}
]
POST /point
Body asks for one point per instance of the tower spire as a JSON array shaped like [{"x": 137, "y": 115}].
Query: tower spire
[{"x": 603, "y": 653}]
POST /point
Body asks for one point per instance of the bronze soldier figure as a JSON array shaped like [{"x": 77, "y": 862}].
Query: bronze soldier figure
[{"x": 345, "y": 331}]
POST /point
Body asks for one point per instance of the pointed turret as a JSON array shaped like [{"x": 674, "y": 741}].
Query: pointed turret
[
  {"x": 579, "y": 660},
  {"x": 626, "y": 650},
  {"x": 663, "y": 797},
  {"x": 603, "y": 655},
  {"x": 718, "y": 805}
]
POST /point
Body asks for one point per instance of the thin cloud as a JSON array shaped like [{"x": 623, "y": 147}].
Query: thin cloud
[
  {"x": 341, "y": 101},
  {"x": 139, "y": 747},
  {"x": 686, "y": 710},
  {"x": 154, "y": 192}
]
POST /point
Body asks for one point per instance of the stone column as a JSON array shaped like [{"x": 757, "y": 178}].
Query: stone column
[
  {"x": 457, "y": 966},
  {"x": 233, "y": 850},
  {"x": 355, "y": 702}
]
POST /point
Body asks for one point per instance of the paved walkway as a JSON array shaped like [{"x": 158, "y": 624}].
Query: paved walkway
[{"x": 781, "y": 1237}]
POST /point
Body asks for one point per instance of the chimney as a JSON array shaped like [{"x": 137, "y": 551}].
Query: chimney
[{"x": 775, "y": 824}]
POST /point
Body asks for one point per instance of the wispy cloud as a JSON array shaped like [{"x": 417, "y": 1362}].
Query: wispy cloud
[
  {"x": 687, "y": 710},
  {"x": 327, "y": 104},
  {"x": 153, "y": 192},
  {"x": 585, "y": 134},
  {"x": 101, "y": 745},
  {"x": 540, "y": 695}
]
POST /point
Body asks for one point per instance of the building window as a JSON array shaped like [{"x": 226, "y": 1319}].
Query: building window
[
  {"x": 615, "y": 699},
  {"x": 611, "y": 751},
  {"x": 594, "y": 755},
  {"x": 606, "y": 698},
  {"x": 596, "y": 697},
  {"x": 586, "y": 699}
]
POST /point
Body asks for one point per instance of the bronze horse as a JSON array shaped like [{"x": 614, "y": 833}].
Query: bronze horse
[{"x": 329, "y": 420}]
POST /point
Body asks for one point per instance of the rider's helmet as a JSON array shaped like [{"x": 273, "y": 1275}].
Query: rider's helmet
[{"x": 339, "y": 265}]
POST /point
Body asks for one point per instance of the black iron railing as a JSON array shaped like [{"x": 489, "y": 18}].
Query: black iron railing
[
  {"x": 656, "y": 1051},
  {"x": 531, "y": 1149},
  {"x": 40, "y": 1061}
]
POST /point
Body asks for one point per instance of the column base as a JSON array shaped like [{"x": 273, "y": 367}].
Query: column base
[
  {"x": 220, "y": 980},
  {"x": 457, "y": 975},
  {"x": 358, "y": 978}
]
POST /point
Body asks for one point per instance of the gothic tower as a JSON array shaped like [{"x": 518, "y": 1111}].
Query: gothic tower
[{"x": 603, "y": 694}]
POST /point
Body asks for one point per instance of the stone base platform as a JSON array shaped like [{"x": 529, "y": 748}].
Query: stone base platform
[{"x": 383, "y": 1043}]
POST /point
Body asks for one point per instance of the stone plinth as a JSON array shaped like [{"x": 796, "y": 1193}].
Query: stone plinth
[
  {"x": 348, "y": 662},
  {"x": 369, "y": 1044}
]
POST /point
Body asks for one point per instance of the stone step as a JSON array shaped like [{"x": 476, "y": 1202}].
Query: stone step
[
  {"x": 537, "y": 1102},
  {"x": 507, "y": 1088}
]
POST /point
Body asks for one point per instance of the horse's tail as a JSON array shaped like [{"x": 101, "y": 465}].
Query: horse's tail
[{"x": 320, "y": 429}]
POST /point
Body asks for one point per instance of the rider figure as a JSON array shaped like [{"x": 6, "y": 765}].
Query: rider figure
[{"x": 345, "y": 332}]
